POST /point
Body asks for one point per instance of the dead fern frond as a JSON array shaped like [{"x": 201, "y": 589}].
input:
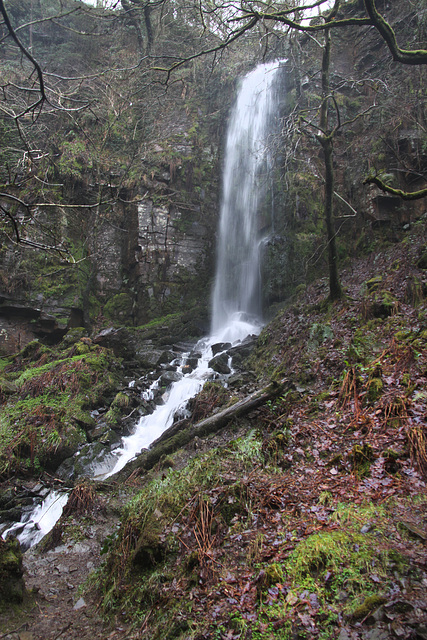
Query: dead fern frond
[
  {"x": 81, "y": 501},
  {"x": 417, "y": 437},
  {"x": 395, "y": 411},
  {"x": 349, "y": 390}
]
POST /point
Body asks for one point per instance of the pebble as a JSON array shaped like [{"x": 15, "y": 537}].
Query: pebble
[{"x": 79, "y": 604}]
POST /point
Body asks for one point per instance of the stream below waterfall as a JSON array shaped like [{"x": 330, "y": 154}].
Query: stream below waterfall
[{"x": 236, "y": 300}]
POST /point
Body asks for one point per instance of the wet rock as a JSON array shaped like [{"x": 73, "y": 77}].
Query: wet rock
[
  {"x": 103, "y": 433},
  {"x": 166, "y": 357},
  {"x": 7, "y": 497},
  {"x": 220, "y": 346},
  {"x": 12, "y": 585},
  {"x": 191, "y": 362},
  {"x": 119, "y": 340},
  {"x": 90, "y": 460},
  {"x": 244, "y": 349},
  {"x": 170, "y": 376},
  {"x": 220, "y": 364},
  {"x": 187, "y": 369}
]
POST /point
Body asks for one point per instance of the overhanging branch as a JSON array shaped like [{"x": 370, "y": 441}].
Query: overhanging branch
[{"x": 404, "y": 195}]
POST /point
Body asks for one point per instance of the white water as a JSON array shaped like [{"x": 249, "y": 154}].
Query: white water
[
  {"x": 246, "y": 171},
  {"x": 236, "y": 298},
  {"x": 37, "y": 523}
]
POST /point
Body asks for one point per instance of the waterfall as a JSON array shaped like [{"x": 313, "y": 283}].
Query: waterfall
[
  {"x": 237, "y": 292},
  {"x": 236, "y": 308}
]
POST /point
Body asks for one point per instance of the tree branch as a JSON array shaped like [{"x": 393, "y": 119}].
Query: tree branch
[
  {"x": 405, "y": 56},
  {"x": 28, "y": 55},
  {"x": 404, "y": 195}
]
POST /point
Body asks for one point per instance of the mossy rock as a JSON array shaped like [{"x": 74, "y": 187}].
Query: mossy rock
[
  {"x": 368, "y": 606},
  {"x": 361, "y": 458},
  {"x": 119, "y": 308},
  {"x": 375, "y": 389},
  {"x": 422, "y": 261},
  {"x": 7, "y": 387},
  {"x": 72, "y": 336},
  {"x": 12, "y": 587},
  {"x": 149, "y": 549},
  {"x": 119, "y": 406},
  {"x": 382, "y": 304}
]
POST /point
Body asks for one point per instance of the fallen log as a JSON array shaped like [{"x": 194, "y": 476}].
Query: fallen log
[
  {"x": 220, "y": 419},
  {"x": 182, "y": 432}
]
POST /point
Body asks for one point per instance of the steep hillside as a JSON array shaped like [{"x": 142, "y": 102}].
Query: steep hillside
[
  {"x": 116, "y": 211},
  {"x": 305, "y": 519}
]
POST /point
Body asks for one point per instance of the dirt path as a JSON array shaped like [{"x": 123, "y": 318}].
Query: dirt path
[{"x": 56, "y": 608}]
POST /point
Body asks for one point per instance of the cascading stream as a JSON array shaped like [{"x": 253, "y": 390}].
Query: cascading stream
[{"x": 236, "y": 301}]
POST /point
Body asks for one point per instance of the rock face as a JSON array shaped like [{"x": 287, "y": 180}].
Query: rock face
[
  {"x": 148, "y": 254},
  {"x": 11, "y": 573}
]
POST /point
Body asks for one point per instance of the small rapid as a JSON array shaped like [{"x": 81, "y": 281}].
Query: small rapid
[{"x": 37, "y": 522}]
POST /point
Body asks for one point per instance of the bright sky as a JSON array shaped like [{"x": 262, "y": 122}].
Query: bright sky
[{"x": 112, "y": 3}]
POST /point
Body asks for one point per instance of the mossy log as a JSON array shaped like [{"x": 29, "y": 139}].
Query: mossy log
[{"x": 181, "y": 433}]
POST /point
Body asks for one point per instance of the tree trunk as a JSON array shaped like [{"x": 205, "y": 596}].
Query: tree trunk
[
  {"x": 326, "y": 139},
  {"x": 335, "y": 291}
]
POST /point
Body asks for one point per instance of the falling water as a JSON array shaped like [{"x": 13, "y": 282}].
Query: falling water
[
  {"x": 236, "y": 308},
  {"x": 236, "y": 311},
  {"x": 237, "y": 292}
]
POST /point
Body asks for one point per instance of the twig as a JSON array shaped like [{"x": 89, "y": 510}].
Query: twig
[
  {"x": 8, "y": 633},
  {"x": 63, "y": 630}
]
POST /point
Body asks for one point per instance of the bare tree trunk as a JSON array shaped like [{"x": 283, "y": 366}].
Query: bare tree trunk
[{"x": 326, "y": 139}]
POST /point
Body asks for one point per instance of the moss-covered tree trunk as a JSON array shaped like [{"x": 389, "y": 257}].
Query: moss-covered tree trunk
[
  {"x": 326, "y": 139},
  {"x": 335, "y": 291}
]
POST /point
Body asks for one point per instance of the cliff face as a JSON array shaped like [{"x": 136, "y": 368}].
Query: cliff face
[
  {"x": 146, "y": 251},
  {"x": 136, "y": 186}
]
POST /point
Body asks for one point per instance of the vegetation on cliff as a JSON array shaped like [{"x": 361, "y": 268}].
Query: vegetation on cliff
[{"x": 46, "y": 396}]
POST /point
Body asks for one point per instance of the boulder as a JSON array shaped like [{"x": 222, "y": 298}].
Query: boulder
[
  {"x": 220, "y": 346},
  {"x": 220, "y": 364},
  {"x": 91, "y": 460},
  {"x": 12, "y": 587}
]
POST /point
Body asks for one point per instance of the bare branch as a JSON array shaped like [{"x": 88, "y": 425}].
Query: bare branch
[
  {"x": 404, "y": 195},
  {"x": 28, "y": 55},
  {"x": 405, "y": 56}
]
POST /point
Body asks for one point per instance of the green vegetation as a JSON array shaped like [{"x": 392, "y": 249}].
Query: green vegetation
[
  {"x": 46, "y": 413},
  {"x": 304, "y": 524}
]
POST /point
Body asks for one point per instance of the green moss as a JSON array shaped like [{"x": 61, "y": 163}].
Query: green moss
[
  {"x": 154, "y": 510},
  {"x": 273, "y": 575},
  {"x": 119, "y": 308},
  {"x": 329, "y": 562},
  {"x": 374, "y": 283},
  {"x": 12, "y": 586},
  {"x": 45, "y": 419},
  {"x": 375, "y": 389},
  {"x": 118, "y": 407},
  {"x": 368, "y": 606},
  {"x": 361, "y": 459}
]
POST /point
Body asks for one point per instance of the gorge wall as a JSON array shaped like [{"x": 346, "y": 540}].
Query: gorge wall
[{"x": 137, "y": 182}]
